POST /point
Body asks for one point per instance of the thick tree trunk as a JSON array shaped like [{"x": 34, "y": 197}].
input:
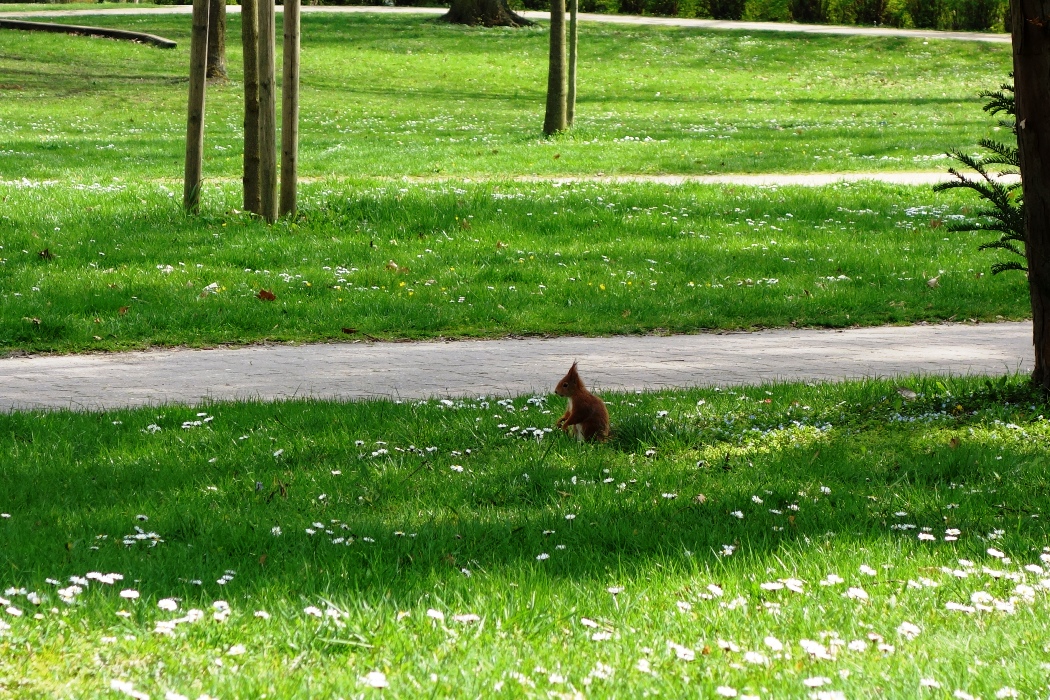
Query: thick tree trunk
[
  {"x": 250, "y": 47},
  {"x": 191, "y": 192},
  {"x": 554, "y": 120},
  {"x": 217, "y": 40},
  {"x": 488, "y": 13},
  {"x": 267, "y": 111},
  {"x": 1030, "y": 20},
  {"x": 570, "y": 100}
]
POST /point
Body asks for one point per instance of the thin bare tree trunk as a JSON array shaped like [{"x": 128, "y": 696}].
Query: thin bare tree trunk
[
  {"x": 267, "y": 111},
  {"x": 554, "y": 120},
  {"x": 250, "y": 46},
  {"x": 570, "y": 100},
  {"x": 1031, "y": 52},
  {"x": 191, "y": 192},
  {"x": 290, "y": 108},
  {"x": 217, "y": 40}
]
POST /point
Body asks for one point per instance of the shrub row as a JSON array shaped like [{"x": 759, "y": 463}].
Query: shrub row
[{"x": 977, "y": 15}]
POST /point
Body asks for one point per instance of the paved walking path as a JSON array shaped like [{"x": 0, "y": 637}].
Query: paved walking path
[
  {"x": 583, "y": 16},
  {"x": 507, "y": 367}
]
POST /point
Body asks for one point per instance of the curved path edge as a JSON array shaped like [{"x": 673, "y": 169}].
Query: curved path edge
[
  {"x": 356, "y": 371},
  {"x": 726, "y": 25}
]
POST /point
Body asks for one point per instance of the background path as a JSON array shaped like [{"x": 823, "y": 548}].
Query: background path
[
  {"x": 753, "y": 179},
  {"x": 507, "y": 367},
  {"x": 584, "y": 17}
]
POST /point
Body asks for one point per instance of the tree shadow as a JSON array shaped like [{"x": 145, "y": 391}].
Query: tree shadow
[{"x": 667, "y": 491}]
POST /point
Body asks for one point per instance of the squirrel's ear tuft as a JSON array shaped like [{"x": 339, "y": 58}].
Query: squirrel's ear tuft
[{"x": 573, "y": 368}]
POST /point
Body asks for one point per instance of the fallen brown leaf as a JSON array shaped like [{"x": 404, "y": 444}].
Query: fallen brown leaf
[
  {"x": 123, "y": 310},
  {"x": 265, "y": 295},
  {"x": 349, "y": 331}
]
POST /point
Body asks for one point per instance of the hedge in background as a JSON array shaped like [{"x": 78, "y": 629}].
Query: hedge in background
[
  {"x": 969, "y": 15},
  {"x": 974, "y": 15}
]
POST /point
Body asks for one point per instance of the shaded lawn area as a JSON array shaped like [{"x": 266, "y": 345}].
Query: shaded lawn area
[
  {"x": 393, "y": 260},
  {"x": 751, "y": 539},
  {"x": 401, "y": 95}
]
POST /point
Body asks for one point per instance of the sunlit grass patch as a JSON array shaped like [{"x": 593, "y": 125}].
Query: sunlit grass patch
[
  {"x": 774, "y": 541},
  {"x": 406, "y": 95},
  {"x": 119, "y": 265}
]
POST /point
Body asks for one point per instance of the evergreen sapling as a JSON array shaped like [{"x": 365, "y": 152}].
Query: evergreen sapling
[{"x": 1004, "y": 213}]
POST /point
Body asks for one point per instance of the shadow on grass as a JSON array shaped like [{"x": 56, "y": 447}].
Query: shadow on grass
[{"x": 389, "y": 517}]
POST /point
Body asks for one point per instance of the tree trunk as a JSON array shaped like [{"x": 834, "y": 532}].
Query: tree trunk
[
  {"x": 554, "y": 120},
  {"x": 191, "y": 191},
  {"x": 217, "y": 40},
  {"x": 1030, "y": 20},
  {"x": 250, "y": 46},
  {"x": 267, "y": 111},
  {"x": 488, "y": 13},
  {"x": 570, "y": 100},
  {"x": 290, "y": 109}
]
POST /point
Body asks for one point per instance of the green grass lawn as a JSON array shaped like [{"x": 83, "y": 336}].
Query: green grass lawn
[
  {"x": 397, "y": 95},
  {"x": 94, "y": 134},
  {"x": 392, "y": 260},
  {"x": 753, "y": 539},
  {"x": 828, "y": 541}
]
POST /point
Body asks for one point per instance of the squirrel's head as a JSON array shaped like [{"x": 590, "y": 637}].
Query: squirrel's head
[{"x": 570, "y": 383}]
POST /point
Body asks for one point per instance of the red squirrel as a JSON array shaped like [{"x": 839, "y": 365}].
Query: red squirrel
[{"x": 585, "y": 411}]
